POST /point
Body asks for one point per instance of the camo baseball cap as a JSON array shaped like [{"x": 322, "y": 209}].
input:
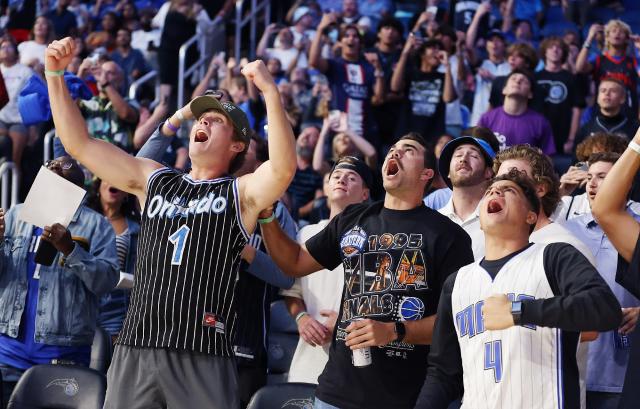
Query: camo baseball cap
[{"x": 209, "y": 101}]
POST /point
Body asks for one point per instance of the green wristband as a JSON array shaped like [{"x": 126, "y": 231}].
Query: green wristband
[
  {"x": 268, "y": 219},
  {"x": 300, "y": 315},
  {"x": 55, "y": 73}
]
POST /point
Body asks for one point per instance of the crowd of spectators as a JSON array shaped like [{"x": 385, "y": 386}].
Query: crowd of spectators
[{"x": 354, "y": 76}]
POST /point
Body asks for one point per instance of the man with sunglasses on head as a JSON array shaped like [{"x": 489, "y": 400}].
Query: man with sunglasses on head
[
  {"x": 53, "y": 309},
  {"x": 396, "y": 254},
  {"x": 313, "y": 301},
  {"x": 194, "y": 226}
]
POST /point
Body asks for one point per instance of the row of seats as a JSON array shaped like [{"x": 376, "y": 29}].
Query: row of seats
[
  {"x": 76, "y": 387},
  {"x": 71, "y": 386}
]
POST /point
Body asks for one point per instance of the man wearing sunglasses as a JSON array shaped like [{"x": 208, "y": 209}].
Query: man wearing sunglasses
[
  {"x": 33, "y": 330},
  {"x": 181, "y": 320}
]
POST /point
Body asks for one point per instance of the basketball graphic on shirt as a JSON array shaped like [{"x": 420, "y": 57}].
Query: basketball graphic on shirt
[{"x": 411, "y": 309}]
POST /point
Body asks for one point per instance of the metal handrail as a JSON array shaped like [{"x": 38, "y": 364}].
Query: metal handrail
[
  {"x": 182, "y": 58},
  {"x": 48, "y": 144},
  {"x": 133, "y": 89},
  {"x": 251, "y": 19},
  {"x": 5, "y": 168}
]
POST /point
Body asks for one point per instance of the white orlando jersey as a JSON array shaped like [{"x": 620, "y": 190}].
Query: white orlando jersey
[{"x": 520, "y": 367}]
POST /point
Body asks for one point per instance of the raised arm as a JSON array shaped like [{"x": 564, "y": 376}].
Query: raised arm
[
  {"x": 582, "y": 63},
  {"x": 472, "y": 31},
  {"x": 292, "y": 258},
  {"x": 397, "y": 79},
  {"x": 268, "y": 183},
  {"x": 105, "y": 160},
  {"x": 261, "y": 50},
  {"x": 449, "y": 92},
  {"x": 315, "y": 53},
  {"x": 609, "y": 206},
  {"x": 319, "y": 163}
]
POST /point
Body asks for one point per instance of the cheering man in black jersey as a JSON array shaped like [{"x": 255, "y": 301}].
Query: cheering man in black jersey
[
  {"x": 396, "y": 255},
  {"x": 175, "y": 346}
]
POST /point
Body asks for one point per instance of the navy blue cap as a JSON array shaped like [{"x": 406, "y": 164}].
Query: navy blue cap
[{"x": 449, "y": 148}]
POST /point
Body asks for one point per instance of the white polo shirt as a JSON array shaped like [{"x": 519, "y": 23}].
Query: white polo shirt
[{"x": 471, "y": 225}]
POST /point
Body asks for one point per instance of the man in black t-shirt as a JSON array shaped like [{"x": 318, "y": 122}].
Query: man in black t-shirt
[
  {"x": 396, "y": 255},
  {"x": 558, "y": 97},
  {"x": 426, "y": 89},
  {"x": 388, "y": 49}
]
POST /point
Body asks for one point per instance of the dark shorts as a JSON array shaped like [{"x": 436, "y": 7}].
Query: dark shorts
[{"x": 161, "y": 378}]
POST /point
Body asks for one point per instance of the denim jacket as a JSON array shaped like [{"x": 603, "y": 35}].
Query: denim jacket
[
  {"x": 114, "y": 305},
  {"x": 69, "y": 289}
]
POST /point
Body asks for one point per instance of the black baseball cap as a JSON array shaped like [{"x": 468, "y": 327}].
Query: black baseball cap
[
  {"x": 357, "y": 165},
  {"x": 449, "y": 148},
  {"x": 495, "y": 33},
  {"x": 209, "y": 101}
]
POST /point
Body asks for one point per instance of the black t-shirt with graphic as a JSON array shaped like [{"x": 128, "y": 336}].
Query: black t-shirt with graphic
[
  {"x": 395, "y": 263},
  {"x": 426, "y": 109},
  {"x": 556, "y": 95}
]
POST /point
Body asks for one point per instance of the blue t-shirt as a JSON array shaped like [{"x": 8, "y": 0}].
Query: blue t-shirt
[{"x": 23, "y": 352}]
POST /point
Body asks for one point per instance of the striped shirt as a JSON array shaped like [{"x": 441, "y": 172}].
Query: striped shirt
[{"x": 187, "y": 268}]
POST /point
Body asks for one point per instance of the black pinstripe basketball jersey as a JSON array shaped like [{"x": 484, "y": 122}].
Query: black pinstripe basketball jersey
[{"x": 188, "y": 256}]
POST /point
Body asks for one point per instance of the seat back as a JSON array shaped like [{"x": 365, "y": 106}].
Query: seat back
[
  {"x": 293, "y": 395},
  {"x": 101, "y": 351},
  {"x": 59, "y": 387},
  {"x": 280, "y": 352}
]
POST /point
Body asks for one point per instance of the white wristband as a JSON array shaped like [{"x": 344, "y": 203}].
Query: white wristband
[
  {"x": 635, "y": 147},
  {"x": 180, "y": 115}
]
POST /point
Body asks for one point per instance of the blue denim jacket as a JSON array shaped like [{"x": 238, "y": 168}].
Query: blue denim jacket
[
  {"x": 69, "y": 289},
  {"x": 113, "y": 305}
]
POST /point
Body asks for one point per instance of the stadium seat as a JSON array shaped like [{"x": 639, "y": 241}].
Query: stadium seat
[
  {"x": 101, "y": 351},
  {"x": 281, "y": 320},
  {"x": 284, "y": 396},
  {"x": 280, "y": 352},
  {"x": 59, "y": 386}
]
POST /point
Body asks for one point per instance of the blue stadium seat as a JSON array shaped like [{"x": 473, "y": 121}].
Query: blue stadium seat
[
  {"x": 101, "y": 351},
  {"x": 280, "y": 352},
  {"x": 466, "y": 116},
  {"x": 557, "y": 28},
  {"x": 59, "y": 386},
  {"x": 281, "y": 320},
  {"x": 554, "y": 15},
  {"x": 284, "y": 396}
]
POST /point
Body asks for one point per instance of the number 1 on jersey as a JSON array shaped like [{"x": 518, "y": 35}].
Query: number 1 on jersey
[{"x": 178, "y": 239}]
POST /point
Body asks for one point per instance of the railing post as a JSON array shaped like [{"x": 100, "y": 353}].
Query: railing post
[
  {"x": 252, "y": 39},
  {"x": 48, "y": 143},
  {"x": 238, "y": 29},
  {"x": 6, "y": 169}
]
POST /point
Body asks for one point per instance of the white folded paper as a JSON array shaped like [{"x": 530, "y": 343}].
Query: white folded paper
[{"x": 52, "y": 199}]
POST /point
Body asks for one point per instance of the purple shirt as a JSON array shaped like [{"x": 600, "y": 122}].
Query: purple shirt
[{"x": 530, "y": 127}]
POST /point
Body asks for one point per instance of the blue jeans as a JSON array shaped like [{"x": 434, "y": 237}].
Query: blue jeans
[{"x": 318, "y": 404}]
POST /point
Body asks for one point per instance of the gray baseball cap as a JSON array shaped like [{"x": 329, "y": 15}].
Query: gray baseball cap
[{"x": 208, "y": 102}]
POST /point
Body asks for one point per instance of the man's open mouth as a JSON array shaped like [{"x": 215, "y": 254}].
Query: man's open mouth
[
  {"x": 201, "y": 136},
  {"x": 494, "y": 207},
  {"x": 392, "y": 167},
  {"x": 113, "y": 190}
]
